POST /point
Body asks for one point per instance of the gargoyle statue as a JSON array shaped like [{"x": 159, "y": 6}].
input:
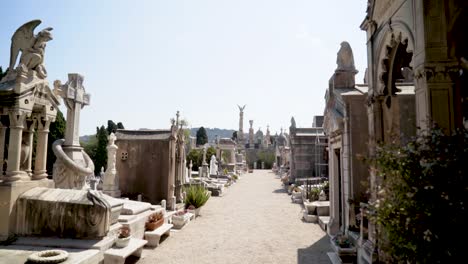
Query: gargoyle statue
[{"x": 32, "y": 49}]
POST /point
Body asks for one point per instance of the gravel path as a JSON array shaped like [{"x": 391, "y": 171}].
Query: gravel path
[{"x": 254, "y": 222}]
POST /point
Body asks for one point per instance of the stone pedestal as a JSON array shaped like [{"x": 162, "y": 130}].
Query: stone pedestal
[
  {"x": 111, "y": 181},
  {"x": 9, "y": 193},
  {"x": 204, "y": 173}
]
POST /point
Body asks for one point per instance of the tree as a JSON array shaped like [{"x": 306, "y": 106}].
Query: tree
[
  {"x": 111, "y": 127},
  {"x": 234, "y": 135},
  {"x": 202, "y": 138},
  {"x": 100, "y": 159},
  {"x": 422, "y": 191},
  {"x": 120, "y": 125},
  {"x": 196, "y": 156},
  {"x": 56, "y": 131}
]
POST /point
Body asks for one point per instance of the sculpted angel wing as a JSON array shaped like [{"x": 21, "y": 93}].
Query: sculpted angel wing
[{"x": 22, "y": 40}]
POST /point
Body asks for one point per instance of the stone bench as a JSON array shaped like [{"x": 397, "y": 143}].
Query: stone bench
[
  {"x": 154, "y": 236},
  {"x": 118, "y": 255}
]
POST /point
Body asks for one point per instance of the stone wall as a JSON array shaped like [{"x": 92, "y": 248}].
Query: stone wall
[
  {"x": 260, "y": 155},
  {"x": 145, "y": 170}
]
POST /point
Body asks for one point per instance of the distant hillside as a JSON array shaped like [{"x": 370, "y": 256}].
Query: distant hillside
[
  {"x": 86, "y": 138},
  {"x": 212, "y": 132}
]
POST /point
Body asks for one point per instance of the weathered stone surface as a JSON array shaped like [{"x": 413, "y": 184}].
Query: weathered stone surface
[
  {"x": 9, "y": 193},
  {"x": 64, "y": 213},
  {"x": 154, "y": 236},
  {"x": 73, "y": 165},
  {"x": 134, "y": 207},
  {"x": 19, "y": 254},
  {"x": 118, "y": 255}
]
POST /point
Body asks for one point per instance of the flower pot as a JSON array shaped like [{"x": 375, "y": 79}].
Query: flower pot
[
  {"x": 343, "y": 251},
  {"x": 297, "y": 195},
  {"x": 195, "y": 212},
  {"x": 122, "y": 242},
  {"x": 180, "y": 220},
  {"x": 150, "y": 226}
]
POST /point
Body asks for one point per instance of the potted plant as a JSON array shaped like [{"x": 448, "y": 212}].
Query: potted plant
[
  {"x": 343, "y": 246},
  {"x": 314, "y": 193},
  {"x": 180, "y": 218},
  {"x": 296, "y": 192},
  {"x": 123, "y": 238},
  {"x": 154, "y": 221},
  {"x": 326, "y": 188},
  {"x": 196, "y": 197}
]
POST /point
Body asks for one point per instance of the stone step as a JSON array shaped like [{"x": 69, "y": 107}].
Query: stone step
[
  {"x": 334, "y": 258},
  {"x": 101, "y": 245},
  {"x": 321, "y": 208},
  {"x": 153, "y": 237},
  {"x": 118, "y": 255},
  {"x": 323, "y": 222}
]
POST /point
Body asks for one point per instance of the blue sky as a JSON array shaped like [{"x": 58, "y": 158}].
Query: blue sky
[{"x": 144, "y": 60}]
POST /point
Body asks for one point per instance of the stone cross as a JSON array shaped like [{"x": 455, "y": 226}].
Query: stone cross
[{"x": 75, "y": 98}]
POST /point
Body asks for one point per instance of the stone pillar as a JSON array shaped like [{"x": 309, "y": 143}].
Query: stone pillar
[
  {"x": 2, "y": 147},
  {"x": 40, "y": 170},
  {"x": 233, "y": 156},
  {"x": 29, "y": 139},
  {"x": 13, "y": 172}
]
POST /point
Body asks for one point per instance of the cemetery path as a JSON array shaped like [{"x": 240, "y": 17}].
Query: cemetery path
[{"x": 254, "y": 222}]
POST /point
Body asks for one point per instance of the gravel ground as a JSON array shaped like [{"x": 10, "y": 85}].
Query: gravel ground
[{"x": 254, "y": 222}]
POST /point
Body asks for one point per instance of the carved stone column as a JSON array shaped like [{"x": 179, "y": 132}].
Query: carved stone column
[
  {"x": 13, "y": 172},
  {"x": 28, "y": 135},
  {"x": 233, "y": 156},
  {"x": 40, "y": 170},
  {"x": 2, "y": 146}
]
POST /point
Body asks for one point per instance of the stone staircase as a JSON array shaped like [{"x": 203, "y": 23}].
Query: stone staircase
[{"x": 317, "y": 212}]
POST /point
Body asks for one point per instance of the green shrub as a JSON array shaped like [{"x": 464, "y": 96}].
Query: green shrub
[
  {"x": 422, "y": 198},
  {"x": 314, "y": 193},
  {"x": 235, "y": 177},
  {"x": 196, "y": 196}
]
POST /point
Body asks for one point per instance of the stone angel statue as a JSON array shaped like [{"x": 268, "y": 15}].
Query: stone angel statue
[
  {"x": 241, "y": 109},
  {"x": 32, "y": 49}
]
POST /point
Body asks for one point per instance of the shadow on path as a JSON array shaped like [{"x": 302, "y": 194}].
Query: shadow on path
[
  {"x": 282, "y": 190},
  {"x": 316, "y": 253}
]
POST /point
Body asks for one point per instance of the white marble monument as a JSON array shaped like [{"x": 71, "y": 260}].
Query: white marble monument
[
  {"x": 73, "y": 165},
  {"x": 213, "y": 165},
  {"x": 111, "y": 180}
]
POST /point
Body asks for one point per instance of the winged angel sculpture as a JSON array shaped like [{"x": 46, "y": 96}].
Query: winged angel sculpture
[{"x": 32, "y": 49}]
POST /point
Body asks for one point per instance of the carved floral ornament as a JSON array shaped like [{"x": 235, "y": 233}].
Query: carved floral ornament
[
  {"x": 438, "y": 72},
  {"x": 393, "y": 35}
]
